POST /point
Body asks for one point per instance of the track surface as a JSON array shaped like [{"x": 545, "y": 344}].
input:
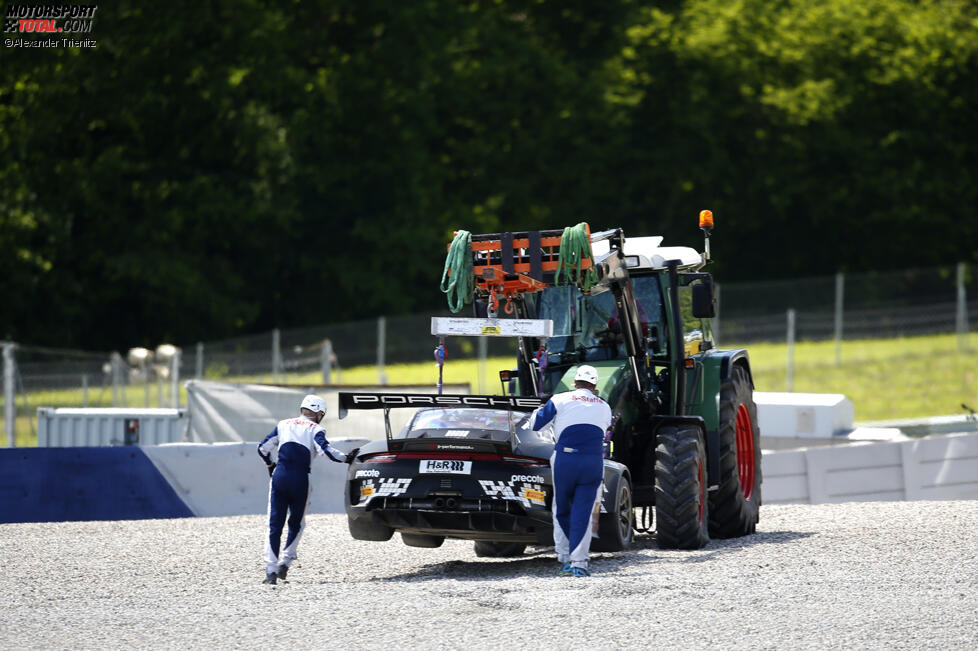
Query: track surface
[{"x": 896, "y": 575}]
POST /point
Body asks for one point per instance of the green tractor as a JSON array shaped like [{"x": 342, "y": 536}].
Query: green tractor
[{"x": 685, "y": 421}]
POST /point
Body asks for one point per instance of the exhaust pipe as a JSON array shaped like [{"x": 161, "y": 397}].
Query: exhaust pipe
[
  {"x": 439, "y": 503},
  {"x": 451, "y": 503}
]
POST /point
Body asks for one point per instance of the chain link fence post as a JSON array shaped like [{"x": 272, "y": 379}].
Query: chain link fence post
[
  {"x": 9, "y": 394},
  {"x": 961, "y": 320},
  {"x": 791, "y": 352},
  {"x": 840, "y": 285},
  {"x": 381, "y": 350},
  {"x": 175, "y": 378},
  {"x": 276, "y": 354},
  {"x": 326, "y": 361},
  {"x": 115, "y": 362}
]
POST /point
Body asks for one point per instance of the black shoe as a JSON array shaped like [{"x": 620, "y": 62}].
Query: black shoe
[
  {"x": 283, "y": 571},
  {"x": 270, "y": 578}
]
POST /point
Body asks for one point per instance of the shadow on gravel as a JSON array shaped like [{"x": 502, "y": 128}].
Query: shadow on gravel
[
  {"x": 714, "y": 549},
  {"x": 542, "y": 562}
]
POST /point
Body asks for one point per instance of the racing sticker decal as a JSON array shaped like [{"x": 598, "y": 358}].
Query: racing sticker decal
[
  {"x": 384, "y": 487},
  {"x": 501, "y": 489},
  {"x": 525, "y": 493},
  {"x": 445, "y": 466}
]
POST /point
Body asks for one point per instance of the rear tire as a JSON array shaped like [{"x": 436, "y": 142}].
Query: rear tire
[
  {"x": 363, "y": 529},
  {"x": 615, "y": 528},
  {"x": 735, "y": 505},
  {"x": 681, "y": 506},
  {"x": 489, "y": 549},
  {"x": 422, "y": 540}
]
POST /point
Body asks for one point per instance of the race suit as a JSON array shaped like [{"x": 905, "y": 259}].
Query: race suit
[
  {"x": 297, "y": 440},
  {"x": 580, "y": 421}
]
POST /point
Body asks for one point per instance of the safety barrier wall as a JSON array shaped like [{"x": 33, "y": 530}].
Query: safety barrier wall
[
  {"x": 936, "y": 468},
  {"x": 231, "y": 479},
  {"x": 182, "y": 480},
  {"x": 62, "y": 484},
  {"x": 141, "y": 482}
]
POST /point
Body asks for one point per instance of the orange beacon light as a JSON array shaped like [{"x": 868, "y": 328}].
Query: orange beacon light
[{"x": 706, "y": 221}]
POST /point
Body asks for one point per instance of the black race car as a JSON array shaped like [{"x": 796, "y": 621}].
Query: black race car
[{"x": 467, "y": 467}]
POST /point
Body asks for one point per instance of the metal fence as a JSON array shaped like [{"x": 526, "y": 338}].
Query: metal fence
[{"x": 840, "y": 307}]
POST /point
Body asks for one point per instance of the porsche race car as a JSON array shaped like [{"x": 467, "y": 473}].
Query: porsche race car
[{"x": 468, "y": 467}]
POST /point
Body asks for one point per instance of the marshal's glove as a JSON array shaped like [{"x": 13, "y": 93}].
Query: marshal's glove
[
  {"x": 352, "y": 455},
  {"x": 271, "y": 469}
]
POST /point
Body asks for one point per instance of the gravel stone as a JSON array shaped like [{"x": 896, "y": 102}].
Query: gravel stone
[{"x": 877, "y": 575}]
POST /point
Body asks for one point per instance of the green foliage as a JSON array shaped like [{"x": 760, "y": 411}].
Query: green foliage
[{"x": 219, "y": 168}]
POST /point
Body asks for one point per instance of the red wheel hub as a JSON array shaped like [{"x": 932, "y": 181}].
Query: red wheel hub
[{"x": 745, "y": 451}]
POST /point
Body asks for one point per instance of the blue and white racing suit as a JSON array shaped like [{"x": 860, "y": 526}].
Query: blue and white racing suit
[
  {"x": 297, "y": 440},
  {"x": 580, "y": 421}
]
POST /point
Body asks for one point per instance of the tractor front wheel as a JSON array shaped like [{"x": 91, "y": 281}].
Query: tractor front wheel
[{"x": 681, "y": 506}]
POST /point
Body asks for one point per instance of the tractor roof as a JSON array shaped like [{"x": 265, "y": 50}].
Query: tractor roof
[{"x": 650, "y": 253}]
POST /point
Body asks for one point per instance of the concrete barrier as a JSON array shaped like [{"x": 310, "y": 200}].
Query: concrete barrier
[
  {"x": 937, "y": 468},
  {"x": 795, "y": 420},
  {"x": 181, "y": 480},
  {"x": 230, "y": 478},
  {"x": 62, "y": 484}
]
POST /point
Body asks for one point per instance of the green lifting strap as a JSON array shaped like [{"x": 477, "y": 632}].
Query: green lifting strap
[
  {"x": 575, "y": 247},
  {"x": 460, "y": 285}
]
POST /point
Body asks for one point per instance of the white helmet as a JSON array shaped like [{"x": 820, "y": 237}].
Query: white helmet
[
  {"x": 587, "y": 374},
  {"x": 313, "y": 403}
]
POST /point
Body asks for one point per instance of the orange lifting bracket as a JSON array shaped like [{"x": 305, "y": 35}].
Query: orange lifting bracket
[{"x": 517, "y": 263}]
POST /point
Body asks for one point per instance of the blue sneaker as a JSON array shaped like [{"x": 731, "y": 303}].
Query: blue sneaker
[
  {"x": 580, "y": 572},
  {"x": 566, "y": 570}
]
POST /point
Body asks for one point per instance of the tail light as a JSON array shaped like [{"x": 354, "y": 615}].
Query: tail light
[
  {"x": 527, "y": 462},
  {"x": 380, "y": 458}
]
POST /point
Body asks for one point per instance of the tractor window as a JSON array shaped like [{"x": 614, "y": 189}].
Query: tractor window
[
  {"x": 559, "y": 304},
  {"x": 592, "y": 321},
  {"x": 693, "y": 328}
]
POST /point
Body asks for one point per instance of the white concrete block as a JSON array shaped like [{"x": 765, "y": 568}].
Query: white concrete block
[{"x": 803, "y": 415}]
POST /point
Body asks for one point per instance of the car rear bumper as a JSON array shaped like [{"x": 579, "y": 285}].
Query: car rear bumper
[{"x": 470, "y": 519}]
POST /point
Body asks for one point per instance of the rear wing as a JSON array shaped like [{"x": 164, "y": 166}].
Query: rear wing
[
  {"x": 388, "y": 401},
  {"x": 351, "y": 400}
]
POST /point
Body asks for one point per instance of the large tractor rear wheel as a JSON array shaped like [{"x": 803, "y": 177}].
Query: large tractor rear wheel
[
  {"x": 735, "y": 505},
  {"x": 681, "y": 506}
]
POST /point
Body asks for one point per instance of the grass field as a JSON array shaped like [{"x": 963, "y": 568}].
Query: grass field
[{"x": 886, "y": 379}]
